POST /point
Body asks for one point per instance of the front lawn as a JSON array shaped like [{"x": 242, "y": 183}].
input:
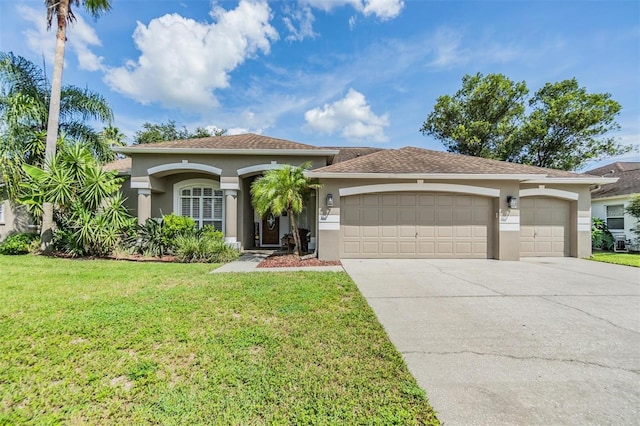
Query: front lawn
[
  {"x": 629, "y": 259},
  {"x": 107, "y": 342}
]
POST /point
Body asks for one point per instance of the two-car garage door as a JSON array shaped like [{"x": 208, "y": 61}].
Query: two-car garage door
[{"x": 415, "y": 225}]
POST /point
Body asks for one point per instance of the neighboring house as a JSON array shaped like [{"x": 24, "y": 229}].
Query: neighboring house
[
  {"x": 373, "y": 203},
  {"x": 608, "y": 201},
  {"x": 13, "y": 218}
]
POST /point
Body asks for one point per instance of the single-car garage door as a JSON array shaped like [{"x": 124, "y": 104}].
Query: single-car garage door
[
  {"x": 544, "y": 227},
  {"x": 415, "y": 225}
]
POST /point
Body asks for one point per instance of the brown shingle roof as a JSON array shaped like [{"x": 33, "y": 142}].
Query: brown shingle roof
[
  {"x": 628, "y": 182},
  {"x": 122, "y": 165},
  {"x": 350, "y": 152},
  {"x": 244, "y": 141},
  {"x": 417, "y": 161}
]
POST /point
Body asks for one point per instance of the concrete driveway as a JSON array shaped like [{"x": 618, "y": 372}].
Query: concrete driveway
[{"x": 540, "y": 341}]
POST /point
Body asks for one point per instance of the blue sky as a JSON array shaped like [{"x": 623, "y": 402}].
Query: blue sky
[{"x": 341, "y": 72}]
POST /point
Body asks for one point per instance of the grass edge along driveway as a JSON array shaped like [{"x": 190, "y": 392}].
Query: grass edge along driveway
[
  {"x": 628, "y": 259},
  {"x": 92, "y": 341}
]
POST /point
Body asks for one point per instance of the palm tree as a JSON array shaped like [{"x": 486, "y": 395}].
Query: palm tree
[
  {"x": 64, "y": 14},
  {"x": 24, "y": 110},
  {"x": 281, "y": 190}
]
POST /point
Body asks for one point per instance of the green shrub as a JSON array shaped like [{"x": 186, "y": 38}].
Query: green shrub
[
  {"x": 148, "y": 239},
  {"x": 601, "y": 237},
  {"x": 174, "y": 225},
  {"x": 211, "y": 232},
  {"x": 20, "y": 243},
  {"x": 207, "y": 247}
]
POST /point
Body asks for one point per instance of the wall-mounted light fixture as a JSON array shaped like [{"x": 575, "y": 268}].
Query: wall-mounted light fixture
[
  {"x": 512, "y": 202},
  {"x": 329, "y": 200}
]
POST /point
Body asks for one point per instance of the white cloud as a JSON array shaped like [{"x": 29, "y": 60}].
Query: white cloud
[
  {"x": 80, "y": 36},
  {"x": 304, "y": 18},
  {"x": 382, "y": 9},
  {"x": 351, "y": 116},
  {"x": 183, "y": 61}
]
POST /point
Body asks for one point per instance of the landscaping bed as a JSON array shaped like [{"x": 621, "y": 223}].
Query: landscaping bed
[{"x": 291, "y": 260}]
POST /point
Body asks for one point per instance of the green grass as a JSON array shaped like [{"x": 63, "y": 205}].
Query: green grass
[
  {"x": 106, "y": 342},
  {"x": 628, "y": 259}
]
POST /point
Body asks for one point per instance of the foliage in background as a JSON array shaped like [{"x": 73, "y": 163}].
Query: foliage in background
[
  {"x": 174, "y": 225},
  {"x": 564, "y": 128},
  {"x": 177, "y": 235},
  {"x": 283, "y": 190},
  {"x": 601, "y": 237},
  {"x": 147, "y": 239},
  {"x": 207, "y": 245},
  {"x": 89, "y": 210},
  {"x": 19, "y": 243},
  {"x": 24, "y": 111},
  {"x": 152, "y": 133},
  {"x": 634, "y": 210}
]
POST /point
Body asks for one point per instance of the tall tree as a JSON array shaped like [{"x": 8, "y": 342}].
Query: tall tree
[
  {"x": 281, "y": 190},
  {"x": 481, "y": 118},
  {"x": 565, "y": 126},
  {"x": 152, "y": 133},
  {"x": 24, "y": 110},
  {"x": 62, "y": 10}
]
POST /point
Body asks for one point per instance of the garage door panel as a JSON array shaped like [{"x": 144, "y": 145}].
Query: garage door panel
[
  {"x": 351, "y": 231},
  {"x": 389, "y": 247},
  {"x": 544, "y": 227},
  {"x": 388, "y": 232},
  {"x": 426, "y": 200},
  {"x": 426, "y": 225},
  {"x": 406, "y": 231},
  {"x": 370, "y": 232},
  {"x": 407, "y": 247}
]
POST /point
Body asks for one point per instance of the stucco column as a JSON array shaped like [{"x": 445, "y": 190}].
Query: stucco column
[
  {"x": 144, "y": 205},
  {"x": 231, "y": 215}
]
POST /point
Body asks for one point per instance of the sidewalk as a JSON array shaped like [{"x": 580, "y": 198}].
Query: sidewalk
[{"x": 248, "y": 262}]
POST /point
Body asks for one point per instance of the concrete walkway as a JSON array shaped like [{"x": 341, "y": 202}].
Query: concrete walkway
[
  {"x": 249, "y": 260},
  {"x": 552, "y": 341}
]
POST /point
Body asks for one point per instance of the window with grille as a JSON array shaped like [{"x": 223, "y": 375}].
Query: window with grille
[
  {"x": 203, "y": 204},
  {"x": 615, "y": 217}
]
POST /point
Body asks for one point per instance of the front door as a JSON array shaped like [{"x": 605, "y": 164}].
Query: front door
[{"x": 271, "y": 230}]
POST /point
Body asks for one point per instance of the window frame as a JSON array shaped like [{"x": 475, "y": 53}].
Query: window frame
[
  {"x": 621, "y": 217},
  {"x": 199, "y": 183},
  {"x": 2, "y": 212}
]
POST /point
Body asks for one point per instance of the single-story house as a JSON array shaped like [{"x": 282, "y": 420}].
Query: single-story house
[
  {"x": 373, "y": 203},
  {"x": 609, "y": 201}
]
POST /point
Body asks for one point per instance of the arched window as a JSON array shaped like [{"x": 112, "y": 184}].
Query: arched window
[{"x": 202, "y": 201}]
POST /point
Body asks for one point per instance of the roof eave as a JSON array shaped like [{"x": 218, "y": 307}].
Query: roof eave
[
  {"x": 249, "y": 151},
  {"x": 449, "y": 176},
  {"x": 585, "y": 180}
]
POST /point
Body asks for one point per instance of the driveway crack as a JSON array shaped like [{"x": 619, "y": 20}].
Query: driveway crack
[
  {"x": 466, "y": 280},
  {"x": 589, "y": 314},
  {"x": 523, "y": 358}
]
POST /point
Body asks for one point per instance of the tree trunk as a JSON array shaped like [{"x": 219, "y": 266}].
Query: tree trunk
[
  {"x": 296, "y": 234},
  {"x": 54, "y": 115}
]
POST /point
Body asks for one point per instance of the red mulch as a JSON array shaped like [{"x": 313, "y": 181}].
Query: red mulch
[{"x": 291, "y": 260}]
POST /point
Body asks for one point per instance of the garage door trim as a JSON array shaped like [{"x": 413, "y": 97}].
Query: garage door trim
[
  {"x": 548, "y": 192},
  {"x": 420, "y": 187}
]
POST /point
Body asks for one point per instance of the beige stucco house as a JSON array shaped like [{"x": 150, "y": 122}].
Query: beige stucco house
[{"x": 373, "y": 203}]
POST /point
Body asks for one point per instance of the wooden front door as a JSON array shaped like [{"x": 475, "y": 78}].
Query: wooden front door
[{"x": 271, "y": 230}]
